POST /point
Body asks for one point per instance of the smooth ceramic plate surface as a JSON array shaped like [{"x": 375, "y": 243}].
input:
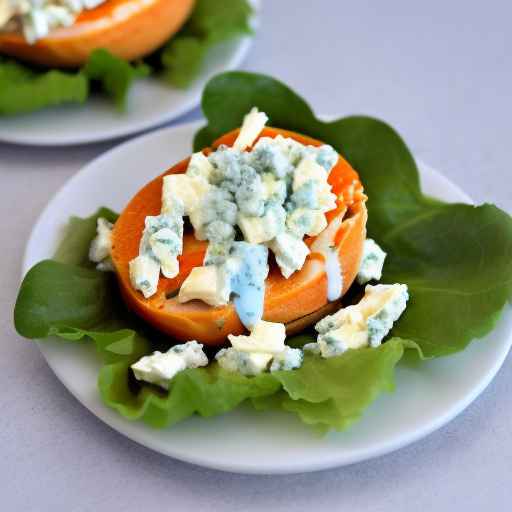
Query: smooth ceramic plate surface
[
  {"x": 151, "y": 103},
  {"x": 247, "y": 441}
]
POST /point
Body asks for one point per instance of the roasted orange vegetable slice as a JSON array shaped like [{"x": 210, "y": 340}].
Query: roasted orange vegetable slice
[
  {"x": 297, "y": 301},
  {"x": 129, "y": 29}
]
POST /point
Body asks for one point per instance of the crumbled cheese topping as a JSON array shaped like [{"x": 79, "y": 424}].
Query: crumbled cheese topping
[
  {"x": 243, "y": 203},
  {"x": 160, "y": 368},
  {"x": 101, "y": 246},
  {"x": 363, "y": 324},
  {"x": 264, "y": 348}
]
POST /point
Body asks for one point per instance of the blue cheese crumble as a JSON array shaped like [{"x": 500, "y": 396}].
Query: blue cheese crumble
[
  {"x": 288, "y": 359},
  {"x": 290, "y": 252},
  {"x": 264, "y": 349},
  {"x": 159, "y": 248},
  {"x": 372, "y": 262},
  {"x": 361, "y": 325},
  {"x": 101, "y": 246},
  {"x": 159, "y": 368}
]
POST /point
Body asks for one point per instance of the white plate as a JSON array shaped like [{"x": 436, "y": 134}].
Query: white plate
[
  {"x": 150, "y": 103},
  {"x": 246, "y": 441}
]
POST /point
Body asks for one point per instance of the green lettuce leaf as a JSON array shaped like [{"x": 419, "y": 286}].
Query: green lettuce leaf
[
  {"x": 70, "y": 299},
  {"x": 24, "y": 90},
  {"x": 455, "y": 258},
  {"x": 211, "y": 22},
  {"x": 55, "y": 295},
  {"x": 333, "y": 393},
  {"x": 67, "y": 293},
  {"x": 114, "y": 75}
]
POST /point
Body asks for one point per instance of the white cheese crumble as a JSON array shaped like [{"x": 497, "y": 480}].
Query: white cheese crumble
[
  {"x": 159, "y": 368},
  {"x": 258, "y": 230},
  {"x": 263, "y": 349},
  {"x": 372, "y": 262},
  {"x": 246, "y": 363},
  {"x": 303, "y": 221},
  {"x": 188, "y": 190},
  {"x": 101, "y": 246},
  {"x": 144, "y": 272},
  {"x": 288, "y": 359},
  {"x": 308, "y": 170},
  {"x": 290, "y": 252},
  {"x": 207, "y": 284},
  {"x": 252, "y": 125},
  {"x": 199, "y": 167},
  {"x": 363, "y": 324},
  {"x": 266, "y": 337}
]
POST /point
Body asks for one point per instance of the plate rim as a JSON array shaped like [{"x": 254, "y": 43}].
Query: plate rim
[{"x": 382, "y": 448}]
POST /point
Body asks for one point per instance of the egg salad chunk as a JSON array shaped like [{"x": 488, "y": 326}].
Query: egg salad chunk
[
  {"x": 160, "y": 368},
  {"x": 263, "y": 349},
  {"x": 372, "y": 262},
  {"x": 364, "y": 324},
  {"x": 101, "y": 246}
]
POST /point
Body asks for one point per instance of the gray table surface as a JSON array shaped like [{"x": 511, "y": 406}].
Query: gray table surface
[{"x": 440, "y": 72}]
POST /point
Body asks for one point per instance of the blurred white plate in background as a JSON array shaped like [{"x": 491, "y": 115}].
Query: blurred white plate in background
[{"x": 151, "y": 103}]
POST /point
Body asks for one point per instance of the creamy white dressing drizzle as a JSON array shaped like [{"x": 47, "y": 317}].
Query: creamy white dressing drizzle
[{"x": 334, "y": 275}]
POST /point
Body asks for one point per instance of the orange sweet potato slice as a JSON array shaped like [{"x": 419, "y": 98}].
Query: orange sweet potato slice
[
  {"x": 129, "y": 29},
  {"x": 295, "y": 301}
]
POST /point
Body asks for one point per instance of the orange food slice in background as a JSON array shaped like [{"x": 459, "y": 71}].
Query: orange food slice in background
[
  {"x": 129, "y": 29},
  {"x": 293, "y": 301}
]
